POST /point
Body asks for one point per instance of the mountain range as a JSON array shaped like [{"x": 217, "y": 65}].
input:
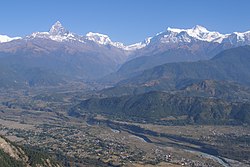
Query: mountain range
[
  {"x": 181, "y": 75},
  {"x": 60, "y": 56},
  {"x": 169, "y": 37},
  {"x": 229, "y": 65},
  {"x": 214, "y": 91}
]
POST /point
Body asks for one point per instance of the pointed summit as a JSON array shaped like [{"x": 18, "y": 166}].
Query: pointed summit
[
  {"x": 199, "y": 28},
  {"x": 58, "y": 29},
  {"x": 196, "y": 29}
]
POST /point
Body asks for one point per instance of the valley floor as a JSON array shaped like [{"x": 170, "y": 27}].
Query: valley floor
[{"x": 97, "y": 141}]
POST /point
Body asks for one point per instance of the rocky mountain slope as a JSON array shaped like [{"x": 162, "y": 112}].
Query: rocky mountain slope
[
  {"x": 13, "y": 155},
  {"x": 229, "y": 65}
]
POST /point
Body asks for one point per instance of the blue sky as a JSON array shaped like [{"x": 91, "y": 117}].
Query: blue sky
[{"x": 127, "y": 21}]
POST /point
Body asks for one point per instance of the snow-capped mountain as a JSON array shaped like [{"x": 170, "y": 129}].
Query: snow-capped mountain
[
  {"x": 199, "y": 33},
  {"x": 60, "y": 34},
  {"x": 103, "y": 39},
  {"x": 169, "y": 37},
  {"x": 58, "y": 29},
  {"x": 237, "y": 38},
  {"x": 5, "y": 38},
  {"x": 57, "y": 33},
  {"x": 67, "y": 55},
  {"x": 55, "y": 57},
  {"x": 181, "y": 45}
]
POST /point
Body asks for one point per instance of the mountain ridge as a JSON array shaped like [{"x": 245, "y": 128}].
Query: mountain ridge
[
  {"x": 171, "y": 35},
  {"x": 68, "y": 56},
  {"x": 230, "y": 65},
  {"x": 163, "y": 107}
]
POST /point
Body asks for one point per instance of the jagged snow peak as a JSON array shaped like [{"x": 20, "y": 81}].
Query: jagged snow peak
[
  {"x": 57, "y": 33},
  {"x": 198, "y": 32},
  {"x": 58, "y": 29},
  {"x": 98, "y": 38},
  {"x": 5, "y": 38},
  {"x": 58, "y": 38},
  {"x": 238, "y": 38},
  {"x": 139, "y": 45},
  {"x": 172, "y": 35},
  {"x": 103, "y": 39}
]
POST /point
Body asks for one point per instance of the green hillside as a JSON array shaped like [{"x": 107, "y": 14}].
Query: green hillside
[{"x": 169, "y": 108}]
